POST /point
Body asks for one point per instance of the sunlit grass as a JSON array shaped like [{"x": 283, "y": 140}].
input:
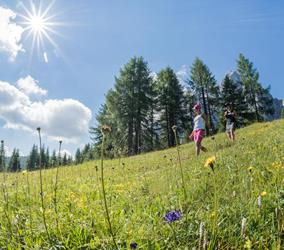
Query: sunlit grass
[{"x": 140, "y": 190}]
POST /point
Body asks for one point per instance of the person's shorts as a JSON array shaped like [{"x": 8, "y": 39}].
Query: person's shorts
[
  {"x": 230, "y": 127},
  {"x": 198, "y": 135}
]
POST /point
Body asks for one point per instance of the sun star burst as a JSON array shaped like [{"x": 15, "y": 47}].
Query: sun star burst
[{"x": 39, "y": 25}]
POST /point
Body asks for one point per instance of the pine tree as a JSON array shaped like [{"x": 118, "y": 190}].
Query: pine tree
[
  {"x": 203, "y": 84},
  {"x": 232, "y": 93},
  {"x": 64, "y": 160},
  {"x": 54, "y": 160},
  {"x": 33, "y": 159},
  {"x": 47, "y": 157},
  {"x": 259, "y": 100},
  {"x": 126, "y": 109},
  {"x": 14, "y": 163},
  {"x": 170, "y": 103},
  {"x": 78, "y": 157},
  {"x": 2, "y": 157}
]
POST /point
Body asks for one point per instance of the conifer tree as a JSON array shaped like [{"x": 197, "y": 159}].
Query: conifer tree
[
  {"x": 259, "y": 100},
  {"x": 170, "y": 104},
  {"x": 203, "y": 84},
  {"x": 2, "y": 157},
  {"x": 14, "y": 163}
]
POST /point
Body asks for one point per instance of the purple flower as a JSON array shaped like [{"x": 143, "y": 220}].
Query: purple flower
[
  {"x": 172, "y": 216},
  {"x": 133, "y": 245}
]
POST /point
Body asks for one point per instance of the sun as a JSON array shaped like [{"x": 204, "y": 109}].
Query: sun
[{"x": 39, "y": 25}]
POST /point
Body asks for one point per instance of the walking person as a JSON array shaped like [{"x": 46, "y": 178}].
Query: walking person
[
  {"x": 200, "y": 121},
  {"x": 230, "y": 117}
]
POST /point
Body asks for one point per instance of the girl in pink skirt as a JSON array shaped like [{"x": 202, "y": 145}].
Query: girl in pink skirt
[{"x": 200, "y": 120}]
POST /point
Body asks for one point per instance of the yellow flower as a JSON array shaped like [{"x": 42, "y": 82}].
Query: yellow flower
[
  {"x": 263, "y": 193},
  {"x": 250, "y": 169},
  {"x": 24, "y": 172},
  {"x": 210, "y": 162}
]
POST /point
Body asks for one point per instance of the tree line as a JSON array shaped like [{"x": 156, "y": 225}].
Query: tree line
[{"x": 141, "y": 108}]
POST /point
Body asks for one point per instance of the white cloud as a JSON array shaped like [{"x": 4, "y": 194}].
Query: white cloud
[
  {"x": 154, "y": 75},
  {"x": 66, "y": 119},
  {"x": 63, "y": 152},
  {"x": 29, "y": 86},
  {"x": 183, "y": 74},
  {"x": 10, "y": 33}
]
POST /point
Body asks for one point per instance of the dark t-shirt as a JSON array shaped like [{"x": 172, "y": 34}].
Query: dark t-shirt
[{"x": 230, "y": 117}]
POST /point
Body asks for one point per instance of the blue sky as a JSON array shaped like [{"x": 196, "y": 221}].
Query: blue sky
[{"x": 96, "y": 38}]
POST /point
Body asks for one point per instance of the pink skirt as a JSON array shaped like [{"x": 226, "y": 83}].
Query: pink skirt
[{"x": 198, "y": 135}]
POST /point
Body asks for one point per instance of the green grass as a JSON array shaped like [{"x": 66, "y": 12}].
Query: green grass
[{"x": 140, "y": 190}]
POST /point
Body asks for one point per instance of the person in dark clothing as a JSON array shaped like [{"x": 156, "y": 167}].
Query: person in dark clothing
[{"x": 230, "y": 117}]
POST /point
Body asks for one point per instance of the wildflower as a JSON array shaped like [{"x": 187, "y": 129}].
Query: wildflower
[
  {"x": 24, "y": 172},
  {"x": 210, "y": 162},
  {"x": 172, "y": 216},
  {"x": 105, "y": 129},
  {"x": 243, "y": 228},
  {"x": 248, "y": 244},
  {"x": 133, "y": 245},
  {"x": 250, "y": 169},
  {"x": 213, "y": 214},
  {"x": 263, "y": 193}
]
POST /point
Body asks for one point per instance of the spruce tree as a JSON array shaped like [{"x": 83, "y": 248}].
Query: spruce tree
[
  {"x": 259, "y": 100},
  {"x": 126, "y": 110},
  {"x": 33, "y": 159},
  {"x": 232, "y": 93},
  {"x": 2, "y": 157},
  {"x": 170, "y": 104},
  {"x": 203, "y": 84},
  {"x": 14, "y": 163}
]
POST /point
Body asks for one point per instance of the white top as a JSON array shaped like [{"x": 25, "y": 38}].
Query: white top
[{"x": 199, "y": 122}]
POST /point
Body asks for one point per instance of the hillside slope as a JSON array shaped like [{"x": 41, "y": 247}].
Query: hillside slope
[{"x": 239, "y": 205}]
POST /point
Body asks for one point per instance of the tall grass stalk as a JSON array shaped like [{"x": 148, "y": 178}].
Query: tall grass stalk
[
  {"x": 41, "y": 188},
  {"x": 5, "y": 192},
  {"x": 29, "y": 202},
  {"x": 174, "y": 128},
  {"x": 56, "y": 187},
  {"x": 104, "y": 131}
]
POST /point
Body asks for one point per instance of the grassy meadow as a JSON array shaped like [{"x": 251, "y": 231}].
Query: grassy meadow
[{"x": 239, "y": 205}]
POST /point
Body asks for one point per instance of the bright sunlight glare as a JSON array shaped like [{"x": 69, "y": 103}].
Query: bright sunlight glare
[{"x": 39, "y": 25}]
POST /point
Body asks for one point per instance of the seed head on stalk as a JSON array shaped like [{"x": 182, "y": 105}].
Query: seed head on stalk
[
  {"x": 41, "y": 186},
  {"x": 105, "y": 130}
]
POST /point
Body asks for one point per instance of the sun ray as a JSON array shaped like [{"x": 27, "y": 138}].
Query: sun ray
[{"x": 39, "y": 24}]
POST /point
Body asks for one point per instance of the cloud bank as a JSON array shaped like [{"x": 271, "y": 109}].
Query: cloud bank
[
  {"x": 10, "y": 33},
  {"x": 65, "y": 119}
]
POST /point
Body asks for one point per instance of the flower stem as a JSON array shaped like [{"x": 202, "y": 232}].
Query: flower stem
[
  {"x": 41, "y": 188},
  {"x": 104, "y": 193},
  {"x": 56, "y": 187}
]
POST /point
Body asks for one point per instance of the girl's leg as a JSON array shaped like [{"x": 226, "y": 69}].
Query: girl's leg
[
  {"x": 198, "y": 147},
  {"x": 232, "y": 135},
  {"x": 229, "y": 135},
  {"x": 203, "y": 149}
]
